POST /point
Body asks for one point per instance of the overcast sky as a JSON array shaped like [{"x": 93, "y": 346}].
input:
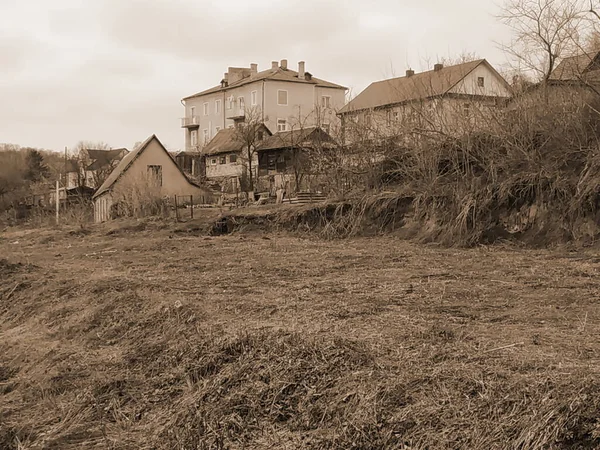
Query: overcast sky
[{"x": 116, "y": 70}]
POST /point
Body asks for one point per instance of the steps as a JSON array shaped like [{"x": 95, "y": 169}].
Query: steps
[{"x": 303, "y": 198}]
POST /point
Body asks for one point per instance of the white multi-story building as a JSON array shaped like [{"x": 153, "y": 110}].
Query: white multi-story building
[{"x": 282, "y": 98}]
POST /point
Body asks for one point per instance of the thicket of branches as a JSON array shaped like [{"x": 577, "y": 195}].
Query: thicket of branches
[
  {"x": 24, "y": 170},
  {"x": 478, "y": 172}
]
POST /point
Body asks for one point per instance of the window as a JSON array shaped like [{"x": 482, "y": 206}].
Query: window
[
  {"x": 213, "y": 162},
  {"x": 232, "y": 158},
  {"x": 326, "y": 101},
  {"x": 396, "y": 116},
  {"x": 253, "y": 98},
  {"x": 271, "y": 161},
  {"x": 260, "y": 135},
  {"x": 205, "y": 136},
  {"x": 194, "y": 138},
  {"x": 205, "y": 109},
  {"x": 229, "y": 102},
  {"x": 388, "y": 117},
  {"x": 282, "y": 97},
  {"x": 222, "y": 159},
  {"x": 217, "y": 106},
  {"x": 281, "y": 125},
  {"x": 326, "y": 127},
  {"x": 192, "y": 111},
  {"x": 466, "y": 109},
  {"x": 155, "y": 175},
  {"x": 480, "y": 81},
  {"x": 241, "y": 103}
]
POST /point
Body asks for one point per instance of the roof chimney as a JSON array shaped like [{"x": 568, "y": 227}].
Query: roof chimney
[
  {"x": 274, "y": 65},
  {"x": 438, "y": 67},
  {"x": 301, "y": 70},
  {"x": 409, "y": 73},
  {"x": 253, "y": 68},
  {"x": 284, "y": 64}
]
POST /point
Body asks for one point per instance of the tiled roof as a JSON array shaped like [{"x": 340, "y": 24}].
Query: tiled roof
[
  {"x": 286, "y": 139},
  {"x": 278, "y": 74},
  {"x": 72, "y": 165},
  {"x": 416, "y": 87},
  {"x": 576, "y": 67},
  {"x": 225, "y": 141},
  {"x": 103, "y": 158}
]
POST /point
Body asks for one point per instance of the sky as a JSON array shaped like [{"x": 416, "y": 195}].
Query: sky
[{"x": 115, "y": 71}]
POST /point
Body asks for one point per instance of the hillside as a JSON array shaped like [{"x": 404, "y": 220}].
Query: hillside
[{"x": 147, "y": 338}]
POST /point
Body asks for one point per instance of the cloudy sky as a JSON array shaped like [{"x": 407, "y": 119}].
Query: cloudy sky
[{"x": 115, "y": 70}]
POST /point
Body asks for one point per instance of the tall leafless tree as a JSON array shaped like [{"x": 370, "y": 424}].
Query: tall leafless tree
[
  {"x": 544, "y": 32},
  {"x": 248, "y": 133}
]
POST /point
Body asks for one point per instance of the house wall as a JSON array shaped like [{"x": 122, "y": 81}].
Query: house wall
[
  {"x": 214, "y": 168},
  {"x": 304, "y": 105},
  {"x": 173, "y": 181},
  {"x": 223, "y": 119},
  {"x": 450, "y": 115},
  {"x": 329, "y": 115},
  {"x": 494, "y": 86},
  {"x": 102, "y": 207},
  {"x": 72, "y": 180}
]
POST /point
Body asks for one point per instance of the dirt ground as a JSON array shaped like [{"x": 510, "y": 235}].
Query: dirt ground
[{"x": 146, "y": 337}]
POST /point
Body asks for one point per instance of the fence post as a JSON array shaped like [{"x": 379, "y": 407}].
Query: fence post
[
  {"x": 176, "y": 209},
  {"x": 192, "y": 205}
]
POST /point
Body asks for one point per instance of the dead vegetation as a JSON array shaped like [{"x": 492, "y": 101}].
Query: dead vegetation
[{"x": 157, "y": 339}]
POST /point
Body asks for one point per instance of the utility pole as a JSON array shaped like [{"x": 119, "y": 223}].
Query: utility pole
[
  {"x": 65, "y": 166},
  {"x": 57, "y": 202}
]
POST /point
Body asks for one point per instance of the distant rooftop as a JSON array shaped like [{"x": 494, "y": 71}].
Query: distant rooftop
[{"x": 279, "y": 71}]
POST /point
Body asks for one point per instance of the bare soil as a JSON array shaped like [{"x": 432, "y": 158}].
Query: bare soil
[{"x": 149, "y": 335}]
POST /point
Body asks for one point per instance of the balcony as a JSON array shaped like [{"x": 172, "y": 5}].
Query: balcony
[
  {"x": 190, "y": 122},
  {"x": 236, "y": 114}
]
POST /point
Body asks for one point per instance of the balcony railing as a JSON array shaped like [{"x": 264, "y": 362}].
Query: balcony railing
[
  {"x": 192, "y": 121},
  {"x": 236, "y": 113}
]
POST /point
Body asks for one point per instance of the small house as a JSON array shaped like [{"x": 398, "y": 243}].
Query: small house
[
  {"x": 226, "y": 158},
  {"x": 288, "y": 158},
  {"x": 149, "y": 171}
]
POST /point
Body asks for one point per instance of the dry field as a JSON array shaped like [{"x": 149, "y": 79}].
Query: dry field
[{"x": 132, "y": 338}]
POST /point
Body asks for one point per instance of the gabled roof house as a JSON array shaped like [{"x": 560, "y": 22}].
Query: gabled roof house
[
  {"x": 149, "y": 166},
  {"x": 474, "y": 78},
  {"x": 454, "y": 92}
]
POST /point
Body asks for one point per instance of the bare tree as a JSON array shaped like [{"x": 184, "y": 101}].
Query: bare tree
[
  {"x": 544, "y": 32},
  {"x": 248, "y": 133}
]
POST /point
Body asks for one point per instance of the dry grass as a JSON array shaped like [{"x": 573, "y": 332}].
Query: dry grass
[{"x": 154, "y": 337}]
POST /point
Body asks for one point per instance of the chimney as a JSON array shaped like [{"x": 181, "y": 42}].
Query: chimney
[
  {"x": 409, "y": 73},
  {"x": 274, "y": 65},
  {"x": 301, "y": 70},
  {"x": 438, "y": 67},
  {"x": 253, "y": 68},
  {"x": 235, "y": 74},
  {"x": 284, "y": 64}
]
